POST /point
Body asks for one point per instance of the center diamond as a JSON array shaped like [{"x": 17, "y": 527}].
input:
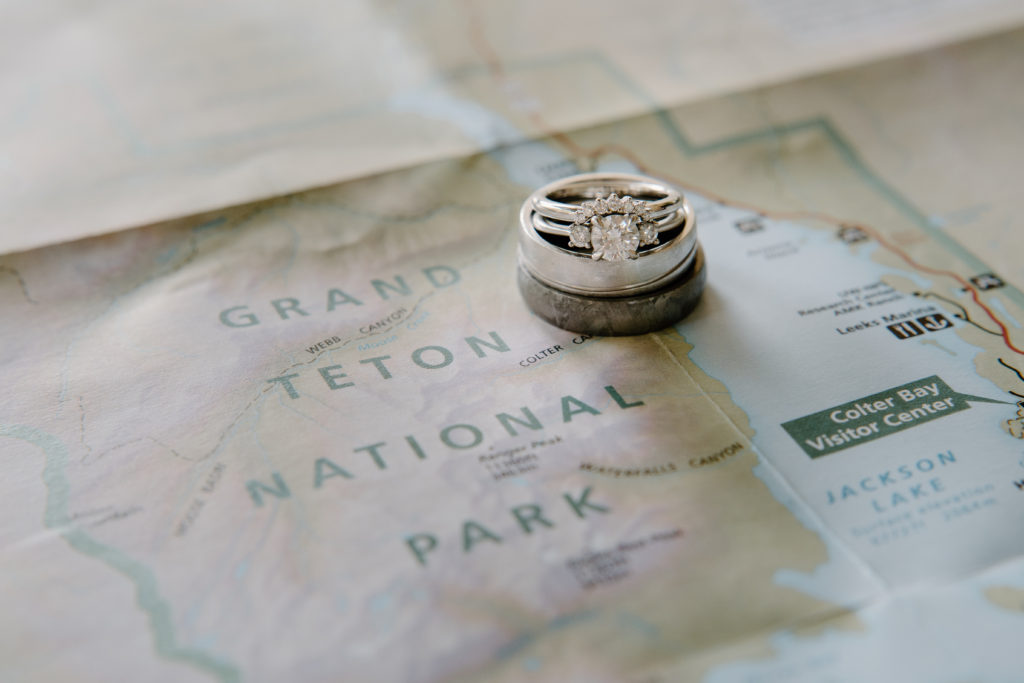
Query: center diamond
[{"x": 614, "y": 237}]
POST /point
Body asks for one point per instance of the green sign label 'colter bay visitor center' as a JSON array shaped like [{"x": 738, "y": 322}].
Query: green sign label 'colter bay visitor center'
[{"x": 878, "y": 415}]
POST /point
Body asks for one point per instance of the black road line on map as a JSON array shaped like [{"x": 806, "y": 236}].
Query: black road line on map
[{"x": 1011, "y": 368}]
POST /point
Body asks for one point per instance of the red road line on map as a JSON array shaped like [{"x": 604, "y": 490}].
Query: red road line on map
[
  {"x": 813, "y": 215},
  {"x": 627, "y": 154},
  {"x": 482, "y": 45},
  {"x": 968, "y": 287},
  {"x": 493, "y": 61}
]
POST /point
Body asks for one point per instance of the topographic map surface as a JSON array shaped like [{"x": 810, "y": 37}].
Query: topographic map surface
[{"x": 319, "y": 436}]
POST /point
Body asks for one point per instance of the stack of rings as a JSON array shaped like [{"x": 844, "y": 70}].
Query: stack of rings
[{"x": 609, "y": 254}]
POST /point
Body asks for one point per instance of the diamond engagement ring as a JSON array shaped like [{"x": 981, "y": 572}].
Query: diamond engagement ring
[
  {"x": 609, "y": 253},
  {"x": 611, "y": 214},
  {"x": 613, "y": 228}
]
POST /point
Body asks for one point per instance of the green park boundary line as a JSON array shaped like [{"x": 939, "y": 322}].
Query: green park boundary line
[
  {"x": 843, "y": 147},
  {"x": 147, "y": 591},
  {"x": 775, "y": 132}
]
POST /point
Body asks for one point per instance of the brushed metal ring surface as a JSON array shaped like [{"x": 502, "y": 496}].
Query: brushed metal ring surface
[{"x": 627, "y": 315}]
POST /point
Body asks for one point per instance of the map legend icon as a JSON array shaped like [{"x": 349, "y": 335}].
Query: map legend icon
[
  {"x": 750, "y": 225},
  {"x": 851, "y": 234},
  {"x": 987, "y": 281},
  {"x": 935, "y": 322},
  {"x": 905, "y": 329}
]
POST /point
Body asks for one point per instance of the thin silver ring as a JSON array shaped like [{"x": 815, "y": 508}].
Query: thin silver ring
[
  {"x": 665, "y": 222},
  {"x": 661, "y": 199}
]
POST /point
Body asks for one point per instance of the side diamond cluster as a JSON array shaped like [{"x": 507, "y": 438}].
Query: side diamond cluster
[{"x": 579, "y": 233}]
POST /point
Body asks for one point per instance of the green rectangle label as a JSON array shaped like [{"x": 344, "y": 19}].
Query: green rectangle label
[{"x": 873, "y": 417}]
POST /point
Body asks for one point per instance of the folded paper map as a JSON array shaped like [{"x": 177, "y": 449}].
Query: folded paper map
[{"x": 274, "y": 408}]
